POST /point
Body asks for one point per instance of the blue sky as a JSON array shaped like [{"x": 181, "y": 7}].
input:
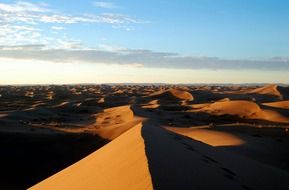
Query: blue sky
[{"x": 144, "y": 41}]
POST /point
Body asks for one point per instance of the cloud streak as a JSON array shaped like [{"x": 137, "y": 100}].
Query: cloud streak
[
  {"x": 22, "y": 38},
  {"x": 144, "y": 58},
  {"x": 21, "y": 6},
  {"x": 105, "y": 5},
  {"x": 29, "y": 13},
  {"x": 21, "y": 22}
]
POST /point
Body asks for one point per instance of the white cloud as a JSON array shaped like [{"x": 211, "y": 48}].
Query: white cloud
[
  {"x": 21, "y": 6},
  {"x": 73, "y": 52},
  {"x": 111, "y": 48},
  {"x": 21, "y": 23},
  {"x": 105, "y": 5},
  {"x": 19, "y": 34},
  {"x": 37, "y": 13},
  {"x": 57, "y": 28},
  {"x": 63, "y": 44}
]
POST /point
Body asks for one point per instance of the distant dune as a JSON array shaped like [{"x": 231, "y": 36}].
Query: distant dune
[
  {"x": 242, "y": 109},
  {"x": 213, "y": 138},
  {"x": 267, "y": 90},
  {"x": 115, "y": 121},
  {"x": 173, "y": 95},
  {"x": 239, "y": 108},
  {"x": 280, "y": 104}
]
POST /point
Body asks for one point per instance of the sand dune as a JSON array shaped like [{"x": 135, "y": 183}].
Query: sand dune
[
  {"x": 121, "y": 164},
  {"x": 271, "y": 115},
  {"x": 114, "y": 115},
  {"x": 173, "y": 95},
  {"x": 213, "y": 138},
  {"x": 239, "y": 108},
  {"x": 109, "y": 123},
  {"x": 176, "y": 162},
  {"x": 270, "y": 89},
  {"x": 242, "y": 109},
  {"x": 115, "y": 121},
  {"x": 144, "y": 137},
  {"x": 147, "y": 166},
  {"x": 280, "y": 104}
]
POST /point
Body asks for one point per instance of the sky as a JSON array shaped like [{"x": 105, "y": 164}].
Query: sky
[{"x": 186, "y": 41}]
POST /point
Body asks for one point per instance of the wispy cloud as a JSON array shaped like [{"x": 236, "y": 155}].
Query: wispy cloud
[
  {"x": 75, "y": 53},
  {"x": 57, "y": 28},
  {"x": 22, "y": 38},
  {"x": 21, "y": 6},
  {"x": 105, "y": 4},
  {"x": 21, "y": 22}
]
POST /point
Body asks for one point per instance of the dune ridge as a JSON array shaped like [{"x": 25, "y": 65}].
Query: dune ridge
[
  {"x": 279, "y": 104},
  {"x": 115, "y": 121},
  {"x": 210, "y": 137},
  {"x": 271, "y": 89},
  {"x": 242, "y": 109},
  {"x": 121, "y": 164},
  {"x": 173, "y": 95}
]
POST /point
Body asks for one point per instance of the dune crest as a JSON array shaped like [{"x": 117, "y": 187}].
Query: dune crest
[
  {"x": 280, "y": 104},
  {"x": 240, "y": 108},
  {"x": 121, "y": 164},
  {"x": 115, "y": 121},
  {"x": 213, "y": 138},
  {"x": 270, "y": 89},
  {"x": 174, "y": 95}
]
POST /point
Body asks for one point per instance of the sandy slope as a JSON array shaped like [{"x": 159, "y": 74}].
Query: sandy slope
[
  {"x": 280, "y": 104},
  {"x": 243, "y": 109},
  {"x": 240, "y": 107},
  {"x": 270, "y": 89},
  {"x": 121, "y": 164},
  {"x": 173, "y": 95},
  {"x": 165, "y": 160},
  {"x": 176, "y": 162},
  {"x": 181, "y": 94},
  {"x": 109, "y": 124},
  {"x": 115, "y": 121},
  {"x": 213, "y": 138}
]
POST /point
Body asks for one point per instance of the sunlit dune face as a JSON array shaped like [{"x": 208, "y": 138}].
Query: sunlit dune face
[
  {"x": 267, "y": 90},
  {"x": 173, "y": 94},
  {"x": 213, "y": 138},
  {"x": 273, "y": 116},
  {"x": 122, "y": 164},
  {"x": 281, "y": 104},
  {"x": 244, "y": 109},
  {"x": 115, "y": 121},
  {"x": 183, "y": 95},
  {"x": 240, "y": 108}
]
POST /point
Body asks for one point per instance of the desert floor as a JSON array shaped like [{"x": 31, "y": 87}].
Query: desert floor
[{"x": 144, "y": 137}]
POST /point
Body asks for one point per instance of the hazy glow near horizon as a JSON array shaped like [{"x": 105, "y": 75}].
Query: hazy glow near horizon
[
  {"x": 123, "y": 41},
  {"x": 36, "y": 72}
]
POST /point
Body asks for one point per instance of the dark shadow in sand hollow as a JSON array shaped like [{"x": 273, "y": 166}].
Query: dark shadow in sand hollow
[
  {"x": 27, "y": 159},
  {"x": 178, "y": 162}
]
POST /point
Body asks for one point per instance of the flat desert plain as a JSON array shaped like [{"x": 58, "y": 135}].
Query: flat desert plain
[{"x": 133, "y": 137}]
